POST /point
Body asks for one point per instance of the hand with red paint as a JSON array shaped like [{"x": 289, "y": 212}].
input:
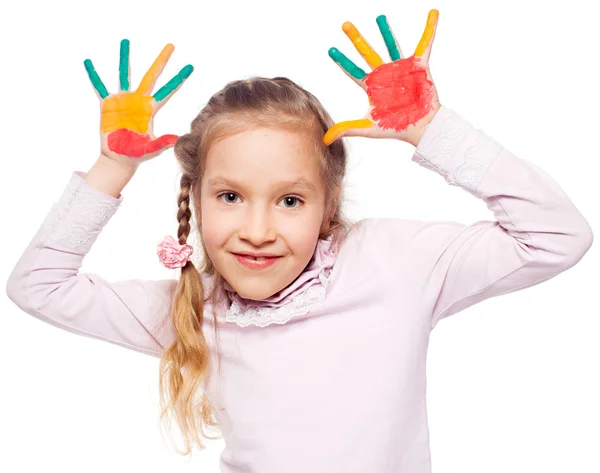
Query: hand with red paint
[
  {"x": 402, "y": 96},
  {"x": 126, "y": 117}
]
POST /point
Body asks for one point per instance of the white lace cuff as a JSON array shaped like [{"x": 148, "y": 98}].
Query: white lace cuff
[
  {"x": 453, "y": 148},
  {"x": 77, "y": 218}
]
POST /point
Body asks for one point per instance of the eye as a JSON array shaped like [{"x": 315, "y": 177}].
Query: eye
[
  {"x": 290, "y": 199},
  {"x": 228, "y": 195},
  {"x": 229, "y": 198}
]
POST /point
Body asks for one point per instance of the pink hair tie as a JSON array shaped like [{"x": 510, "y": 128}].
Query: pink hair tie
[{"x": 173, "y": 255}]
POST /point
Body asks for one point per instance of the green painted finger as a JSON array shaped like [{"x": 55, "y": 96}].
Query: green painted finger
[
  {"x": 124, "y": 65},
  {"x": 346, "y": 64},
  {"x": 175, "y": 82},
  {"x": 95, "y": 78},
  {"x": 388, "y": 37}
]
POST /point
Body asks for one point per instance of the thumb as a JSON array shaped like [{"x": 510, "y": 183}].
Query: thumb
[
  {"x": 348, "y": 128},
  {"x": 161, "y": 143},
  {"x": 135, "y": 145}
]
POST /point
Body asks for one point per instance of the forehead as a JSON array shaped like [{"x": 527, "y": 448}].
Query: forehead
[{"x": 263, "y": 156}]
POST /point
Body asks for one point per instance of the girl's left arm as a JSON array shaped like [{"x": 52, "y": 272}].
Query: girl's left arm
[
  {"x": 537, "y": 232},
  {"x": 448, "y": 266}
]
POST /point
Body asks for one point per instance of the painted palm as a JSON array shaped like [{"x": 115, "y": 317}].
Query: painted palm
[
  {"x": 402, "y": 96},
  {"x": 127, "y": 117}
]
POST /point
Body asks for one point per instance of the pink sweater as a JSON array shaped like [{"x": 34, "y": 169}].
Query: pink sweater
[{"x": 333, "y": 378}]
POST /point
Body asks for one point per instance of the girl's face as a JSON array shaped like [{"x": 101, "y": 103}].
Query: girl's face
[{"x": 261, "y": 193}]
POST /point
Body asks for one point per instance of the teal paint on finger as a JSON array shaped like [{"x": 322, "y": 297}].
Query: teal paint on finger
[
  {"x": 346, "y": 64},
  {"x": 124, "y": 65},
  {"x": 175, "y": 82},
  {"x": 388, "y": 37},
  {"x": 95, "y": 78}
]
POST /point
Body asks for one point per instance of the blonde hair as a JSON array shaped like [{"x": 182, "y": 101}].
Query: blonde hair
[{"x": 240, "y": 105}]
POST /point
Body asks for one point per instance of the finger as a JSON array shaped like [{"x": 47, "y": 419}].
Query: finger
[
  {"x": 95, "y": 79},
  {"x": 149, "y": 79},
  {"x": 341, "y": 129},
  {"x": 350, "y": 69},
  {"x": 124, "y": 71},
  {"x": 424, "y": 47},
  {"x": 171, "y": 87},
  {"x": 388, "y": 36},
  {"x": 361, "y": 45},
  {"x": 161, "y": 143},
  {"x": 135, "y": 145}
]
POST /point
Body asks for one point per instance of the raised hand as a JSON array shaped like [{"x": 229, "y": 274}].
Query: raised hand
[
  {"x": 402, "y": 96},
  {"x": 127, "y": 117}
]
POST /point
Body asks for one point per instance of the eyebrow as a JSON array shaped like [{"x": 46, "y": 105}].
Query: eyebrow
[{"x": 300, "y": 183}]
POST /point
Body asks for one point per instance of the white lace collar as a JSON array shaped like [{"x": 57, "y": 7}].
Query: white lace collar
[{"x": 307, "y": 290}]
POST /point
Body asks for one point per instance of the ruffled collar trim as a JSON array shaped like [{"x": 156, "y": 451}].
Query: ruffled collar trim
[{"x": 307, "y": 290}]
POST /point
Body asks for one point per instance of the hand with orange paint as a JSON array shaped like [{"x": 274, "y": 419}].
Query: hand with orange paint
[
  {"x": 127, "y": 117},
  {"x": 401, "y": 93}
]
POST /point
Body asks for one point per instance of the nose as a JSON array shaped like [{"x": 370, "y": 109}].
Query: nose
[{"x": 257, "y": 228}]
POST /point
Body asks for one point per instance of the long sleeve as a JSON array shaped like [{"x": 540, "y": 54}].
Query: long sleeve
[
  {"x": 537, "y": 232},
  {"x": 46, "y": 282}
]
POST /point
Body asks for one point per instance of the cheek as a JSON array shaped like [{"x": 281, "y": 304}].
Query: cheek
[
  {"x": 215, "y": 236},
  {"x": 213, "y": 242},
  {"x": 302, "y": 239},
  {"x": 302, "y": 233},
  {"x": 211, "y": 231},
  {"x": 214, "y": 221}
]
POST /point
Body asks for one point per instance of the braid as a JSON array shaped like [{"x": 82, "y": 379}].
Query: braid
[{"x": 184, "y": 214}]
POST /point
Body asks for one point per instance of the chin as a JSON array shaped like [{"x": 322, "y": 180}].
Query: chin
[{"x": 255, "y": 294}]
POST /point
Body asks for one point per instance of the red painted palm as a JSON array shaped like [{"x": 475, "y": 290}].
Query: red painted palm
[{"x": 402, "y": 95}]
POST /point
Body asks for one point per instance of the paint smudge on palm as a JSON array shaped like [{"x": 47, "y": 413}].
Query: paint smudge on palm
[
  {"x": 400, "y": 93},
  {"x": 135, "y": 145}
]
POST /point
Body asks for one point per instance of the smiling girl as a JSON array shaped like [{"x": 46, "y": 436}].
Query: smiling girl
[{"x": 301, "y": 335}]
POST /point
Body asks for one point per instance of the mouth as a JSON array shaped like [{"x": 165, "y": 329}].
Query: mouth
[
  {"x": 257, "y": 257},
  {"x": 256, "y": 262}
]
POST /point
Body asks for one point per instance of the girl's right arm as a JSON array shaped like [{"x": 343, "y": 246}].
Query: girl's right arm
[{"x": 46, "y": 282}]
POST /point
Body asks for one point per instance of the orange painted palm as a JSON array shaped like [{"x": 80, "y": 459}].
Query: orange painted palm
[
  {"x": 126, "y": 119},
  {"x": 401, "y": 93}
]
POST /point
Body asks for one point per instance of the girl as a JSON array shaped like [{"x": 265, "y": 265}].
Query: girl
[{"x": 301, "y": 335}]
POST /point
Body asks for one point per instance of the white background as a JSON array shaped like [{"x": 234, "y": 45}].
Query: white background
[{"x": 513, "y": 382}]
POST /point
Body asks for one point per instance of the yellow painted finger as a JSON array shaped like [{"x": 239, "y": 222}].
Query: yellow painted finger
[
  {"x": 341, "y": 127},
  {"x": 147, "y": 83},
  {"x": 361, "y": 45},
  {"x": 427, "y": 37}
]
